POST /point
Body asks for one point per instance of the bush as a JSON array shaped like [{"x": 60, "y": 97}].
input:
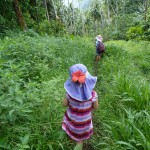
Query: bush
[
  {"x": 32, "y": 73},
  {"x": 54, "y": 27},
  {"x": 135, "y": 32}
]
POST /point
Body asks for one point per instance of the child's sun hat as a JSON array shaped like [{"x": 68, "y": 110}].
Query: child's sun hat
[
  {"x": 99, "y": 38},
  {"x": 80, "y": 84}
]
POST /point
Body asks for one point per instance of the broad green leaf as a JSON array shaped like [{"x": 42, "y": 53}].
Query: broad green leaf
[
  {"x": 11, "y": 112},
  {"x": 25, "y": 139}
]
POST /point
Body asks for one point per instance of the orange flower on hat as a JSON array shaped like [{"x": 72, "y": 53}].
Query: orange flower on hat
[{"x": 78, "y": 76}]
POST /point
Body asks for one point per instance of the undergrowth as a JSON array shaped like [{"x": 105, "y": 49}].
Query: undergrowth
[{"x": 32, "y": 73}]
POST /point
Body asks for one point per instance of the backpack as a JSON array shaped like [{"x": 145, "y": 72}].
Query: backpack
[{"x": 101, "y": 47}]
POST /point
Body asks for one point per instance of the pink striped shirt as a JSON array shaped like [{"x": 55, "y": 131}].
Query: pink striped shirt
[{"x": 77, "y": 122}]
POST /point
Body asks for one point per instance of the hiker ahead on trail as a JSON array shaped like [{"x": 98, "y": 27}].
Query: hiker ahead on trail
[
  {"x": 99, "y": 47},
  {"x": 80, "y": 99}
]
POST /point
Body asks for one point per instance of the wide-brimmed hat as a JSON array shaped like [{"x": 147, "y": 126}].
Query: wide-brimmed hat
[
  {"x": 99, "y": 38},
  {"x": 80, "y": 83}
]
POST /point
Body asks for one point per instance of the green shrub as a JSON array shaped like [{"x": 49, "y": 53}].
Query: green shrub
[
  {"x": 135, "y": 32},
  {"x": 54, "y": 27}
]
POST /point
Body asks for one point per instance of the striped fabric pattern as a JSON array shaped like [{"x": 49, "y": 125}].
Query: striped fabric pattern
[{"x": 77, "y": 122}]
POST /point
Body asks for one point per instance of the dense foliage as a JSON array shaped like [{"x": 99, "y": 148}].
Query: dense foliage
[
  {"x": 40, "y": 41},
  {"x": 33, "y": 70},
  {"x": 121, "y": 19}
]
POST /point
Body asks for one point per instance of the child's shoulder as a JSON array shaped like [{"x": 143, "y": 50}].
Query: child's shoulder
[
  {"x": 94, "y": 94},
  {"x": 70, "y": 98}
]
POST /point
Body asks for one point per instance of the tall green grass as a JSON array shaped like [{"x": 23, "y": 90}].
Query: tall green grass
[
  {"x": 124, "y": 119},
  {"x": 32, "y": 73}
]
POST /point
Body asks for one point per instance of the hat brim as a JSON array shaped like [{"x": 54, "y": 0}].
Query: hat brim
[
  {"x": 81, "y": 92},
  {"x": 98, "y": 39}
]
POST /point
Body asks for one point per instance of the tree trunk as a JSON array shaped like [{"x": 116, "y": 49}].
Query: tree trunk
[
  {"x": 47, "y": 14},
  {"x": 95, "y": 27},
  {"x": 73, "y": 15},
  {"x": 108, "y": 11},
  {"x": 19, "y": 16},
  {"x": 102, "y": 21},
  {"x": 81, "y": 17},
  {"x": 146, "y": 9},
  {"x": 56, "y": 17}
]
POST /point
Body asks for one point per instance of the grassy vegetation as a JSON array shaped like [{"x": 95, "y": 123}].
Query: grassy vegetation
[
  {"x": 33, "y": 71},
  {"x": 123, "y": 120}
]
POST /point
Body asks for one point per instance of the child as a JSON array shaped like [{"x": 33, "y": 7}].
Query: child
[
  {"x": 80, "y": 99},
  {"x": 98, "y": 53}
]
